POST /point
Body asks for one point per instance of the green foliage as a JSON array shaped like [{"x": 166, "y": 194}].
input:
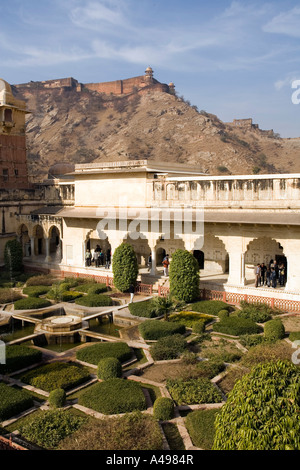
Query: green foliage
[
  {"x": 56, "y": 375},
  {"x": 236, "y": 326},
  {"x": 199, "y": 327},
  {"x": 13, "y": 256},
  {"x": 8, "y": 295},
  {"x": 193, "y": 391},
  {"x": 211, "y": 307},
  {"x": 251, "y": 340},
  {"x": 19, "y": 357},
  {"x": 155, "y": 329},
  {"x": 257, "y": 312},
  {"x": 50, "y": 427},
  {"x": 31, "y": 303},
  {"x": 109, "y": 368},
  {"x": 13, "y": 401},
  {"x": 189, "y": 319},
  {"x": 184, "y": 276},
  {"x": 125, "y": 267},
  {"x": 163, "y": 306},
  {"x": 69, "y": 296},
  {"x": 92, "y": 288},
  {"x": 262, "y": 410},
  {"x": 145, "y": 309},
  {"x": 94, "y": 300},
  {"x": 274, "y": 330},
  {"x": 168, "y": 347},
  {"x": 210, "y": 368},
  {"x": 201, "y": 428},
  {"x": 294, "y": 336},
  {"x": 94, "y": 353},
  {"x": 40, "y": 280},
  {"x": 57, "y": 398},
  {"x": 114, "y": 396},
  {"x": 133, "y": 431},
  {"x": 36, "y": 291},
  {"x": 223, "y": 314},
  {"x": 163, "y": 408}
]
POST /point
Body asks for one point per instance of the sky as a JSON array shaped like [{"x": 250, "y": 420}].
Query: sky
[{"x": 235, "y": 59}]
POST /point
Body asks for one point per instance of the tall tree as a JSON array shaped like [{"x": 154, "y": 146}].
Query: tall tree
[
  {"x": 184, "y": 276},
  {"x": 124, "y": 266}
]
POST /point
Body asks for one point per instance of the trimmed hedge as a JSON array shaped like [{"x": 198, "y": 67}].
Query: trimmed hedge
[
  {"x": 94, "y": 300},
  {"x": 184, "y": 276},
  {"x": 57, "y": 398},
  {"x": 13, "y": 401},
  {"x": 143, "y": 309},
  {"x": 40, "y": 280},
  {"x": 201, "y": 427},
  {"x": 18, "y": 357},
  {"x": 94, "y": 353},
  {"x": 8, "y": 295},
  {"x": 114, "y": 396},
  {"x": 124, "y": 266},
  {"x": 92, "y": 288},
  {"x": 56, "y": 375},
  {"x": 69, "y": 296},
  {"x": 199, "y": 327},
  {"x": 163, "y": 408},
  {"x": 223, "y": 314},
  {"x": 13, "y": 256},
  {"x": 152, "y": 329},
  {"x": 36, "y": 291},
  {"x": 109, "y": 368},
  {"x": 274, "y": 330},
  {"x": 31, "y": 303},
  {"x": 294, "y": 336},
  {"x": 236, "y": 326},
  {"x": 211, "y": 307},
  {"x": 168, "y": 347},
  {"x": 188, "y": 319},
  {"x": 193, "y": 391}
]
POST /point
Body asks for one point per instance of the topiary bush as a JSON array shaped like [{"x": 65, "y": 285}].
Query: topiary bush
[
  {"x": 8, "y": 295},
  {"x": 222, "y": 314},
  {"x": 294, "y": 336},
  {"x": 168, "y": 347},
  {"x": 94, "y": 353},
  {"x": 199, "y": 327},
  {"x": 94, "y": 300},
  {"x": 19, "y": 357},
  {"x": 262, "y": 410},
  {"x": 36, "y": 291},
  {"x": 40, "y": 280},
  {"x": 193, "y": 391},
  {"x": 57, "y": 398},
  {"x": 124, "y": 266},
  {"x": 13, "y": 401},
  {"x": 146, "y": 309},
  {"x": 109, "y": 368},
  {"x": 114, "y": 396},
  {"x": 189, "y": 318},
  {"x": 163, "y": 409},
  {"x": 274, "y": 330},
  {"x": 153, "y": 330},
  {"x": 31, "y": 303},
  {"x": 184, "y": 276},
  {"x": 13, "y": 256},
  {"x": 200, "y": 426},
  {"x": 236, "y": 326},
  {"x": 70, "y": 296},
  {"x": 211, "y": 307}
]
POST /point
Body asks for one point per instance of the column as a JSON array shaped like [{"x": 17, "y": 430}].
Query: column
[
  {"x": 32, "y": 247},
  {"x": 235, "y": 249},
  {"x": 291, "y": 250},
  {"x": 153, "y": 262},
  {"x": 243, "y": 269},
  {"x": 47, "y": 243}
]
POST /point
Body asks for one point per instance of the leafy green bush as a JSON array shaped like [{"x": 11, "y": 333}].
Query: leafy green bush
[
  {"x": 200, "y": 426},
  {"x": 199, "y": 327},
  {"x": 36, "y": 291},
  {"x": 210, "y": 368},
  {"x": 146, "y": 308},
  {"x": 13, "y": 256},
  {"x": 236, "y": 326},
  {"x": 274, "y": 330},
  {"x": 125, "y": 267},
  {"x": 223, "y": 314},
  {"x": 262, "y": 410},
  {"x": 168, "y": 347},
  {"x": 19, "y": 357},
  {"x": 69, "y": 296},
  {"x": 92, "y": 288},
  {"x": 31, "y": 303},
  {"x": 163, "y": 408},
  {"x": 57, "y": 398},
  {"x": 56, "y": 375},
  {"x": 152, "y": 329},
  {"x": 193, "y": 391},
  {"x": 109, "y": 368},
  {"x": 184, "y": 276},
  {"x": 133, "y": 431},
  {"x": 211, "y": 307},
  {"x": 94, "y": 353},
  {"x": 94, "y": 300},
  {"x": 13, "y": 401},
  {"x": 189, "y": 318},
  {"x": 40, "y": 280},
  {"x": 8, "y": 295},
  {"x": 114, "y": 396},
  {"x": 257, "y": 312},
  {"x": 50, "y": 427},
  {"x": 251, "y": 340},
  {"x": 294, "y": 336}
]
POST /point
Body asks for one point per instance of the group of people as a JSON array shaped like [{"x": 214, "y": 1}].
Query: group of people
[
  {"x": 270, "y": 275},
  {"x": 98, "y": 257}
]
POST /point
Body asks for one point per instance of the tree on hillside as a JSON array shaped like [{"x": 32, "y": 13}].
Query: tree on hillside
[
  {"x": 124, "y": 266},
  {"x": 184, "y": 276}
]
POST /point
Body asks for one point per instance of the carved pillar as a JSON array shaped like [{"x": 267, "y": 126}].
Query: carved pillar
[{"x": 47, "y": 243}]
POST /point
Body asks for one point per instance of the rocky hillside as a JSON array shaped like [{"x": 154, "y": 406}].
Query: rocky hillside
[{"x": 78, "y": 127}]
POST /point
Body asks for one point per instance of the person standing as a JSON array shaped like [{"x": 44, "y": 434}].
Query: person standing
[
  {"x": 88, "y": 257},
  {"x": 268, "y": 276},
  {"x": 131, "y": 291},
  {"x": 107, "y": 258},
  {"x": 166, "y": 265},
  {"x": 263, "y": 269},
  {"x": 257, "y": 275},
  {"x": 101, "y": 257},
  {"x": 96, "y": 258},
  {"x": 273, "y": 278}
]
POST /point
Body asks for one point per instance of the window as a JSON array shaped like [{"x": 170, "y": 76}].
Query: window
[
  {"x": 16, "y": 172},
  {"x": 5, "y": 174},
  {"x": 8, "y": 115}
]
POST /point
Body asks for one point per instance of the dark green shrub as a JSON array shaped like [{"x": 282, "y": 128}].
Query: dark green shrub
[
  {"x": 223, "y": 314},
  {"x": 262, "y": 410},
  {"x": 152, "y": 329},
  {"x": 13, "y": 256},
  {"x": 57, "y": 398},
  {"x": 193, "y": 391},
  {"x": 145, "y": 308},
  {"x": 211, "y": 307},
  {"x": 50, "y": 427},
  {"x": 31, "y": 303},
  {"x": 97, "y": 289},
  {"x": 56, "y": 375},
  {"x": 114, "y": 396},
  {"x": 258, "y": 312},
  {"x": 236, "y": 326},
  {"x": 13, "y": 401},
  {"x": 184, "y": 276},
  {"x": 168, "y": 347},
  {"x": 163, "y": 409},
  {"x": 109, "y": 368},
  {"x": 86, "y": 286},
  {"x": 251, "y": 340},
  {"x": 19, "y": 357},
  {"x": 94, "y": 353},
  {"x": 8, "y": 295},
  {"x": 94, "y": 300},
  {"x": 125, "y": 267},
  {"x": 210, "y": 368},
  {"x": 199, "y": 327},
  {"x": 36, "y": 291},
  {"x": 40, "y": 280},
  {"x": 294, "y": 336},
  {"x": 188, "y": 319},
  {"x": 69, "y": 296},
  {"x": 201, "y": 427},
  {"x": 274, "y": 330}
]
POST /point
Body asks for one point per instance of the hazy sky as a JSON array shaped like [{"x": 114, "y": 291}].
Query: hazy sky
[{"x": 235, "y": 59}]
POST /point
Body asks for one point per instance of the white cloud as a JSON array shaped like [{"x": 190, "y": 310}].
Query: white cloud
[{"x": 287, "y": 23}]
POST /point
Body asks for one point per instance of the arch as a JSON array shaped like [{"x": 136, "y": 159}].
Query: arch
[
  {"x": 200, "y": 257},
  {"x": 141, "y": 247},
  {"x": 55, "y": 243},
  {"x": 216, "y": 257}
]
